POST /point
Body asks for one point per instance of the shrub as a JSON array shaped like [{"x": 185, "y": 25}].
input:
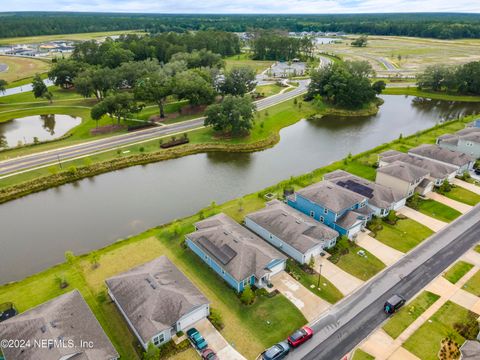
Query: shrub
[
  {"x": 414, "y": 201},
  {"x": 142, "y": 149},
  {"x": 468, "y": 329},
  {"x": 72, "y": 170},
  {"x": 391, "y": 218},
  {"x": 247, "y": 296},
  {"x": 444, "y": 188},
  {"x": 152, "y": 353},
  {"x": 216, "y": 319},
  {"x": 61, "y": 281}
]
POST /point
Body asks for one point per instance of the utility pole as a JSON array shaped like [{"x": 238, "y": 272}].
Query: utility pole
[{"x": 59, "y": 163}]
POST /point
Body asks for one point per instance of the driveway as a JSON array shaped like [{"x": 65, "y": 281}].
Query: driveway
[
  {"x": 459, "y": 206},
  {"x": 307, "y": 302},
  {"x": 471, "y": 187},
  {"x": 217, "y": 342},
  {"x": 433, "y": 224},
  {"x": 342, "y": 280},
  {"x": 385, "y": 253}
]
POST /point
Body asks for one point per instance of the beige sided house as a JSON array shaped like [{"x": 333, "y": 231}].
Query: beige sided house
[{"x": 404, "y": 178}]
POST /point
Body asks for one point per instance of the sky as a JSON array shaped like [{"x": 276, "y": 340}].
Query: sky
[{"x": 244, "y": 6}]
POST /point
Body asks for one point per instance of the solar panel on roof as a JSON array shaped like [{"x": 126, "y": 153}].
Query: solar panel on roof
[
  {"x": 224, "y": 254},
  {"x": 356, "y": 187}
]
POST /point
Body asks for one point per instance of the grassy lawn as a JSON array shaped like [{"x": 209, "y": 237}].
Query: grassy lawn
[
  {"x": 425, "y": 342},
  {"x": 362, "y": 267},
  {"x": 463, "y": 195},
  {"x": 20, "y": 67},
  {"x": 473, "y": 284},
  {"x": 404, "y": 235},
  {"x": 244, "y": 60},
  {"x": 413, "y": 91},
  {"x": 265, "y": 322},
  {"x": 477, "y": 248},
  {"x": 269, "y": 90},
  {"x": 437, "y": 210},
  {"x": 362, "y": 355},
  {"x": 457, "y": 271},
  {"x": 328, "y": 291},
  {"x": 409, "y": 313}
]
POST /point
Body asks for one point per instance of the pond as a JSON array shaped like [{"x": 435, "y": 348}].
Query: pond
[
  {"x": 92, "y": 213},
  {"x": 40, "y": 127}
]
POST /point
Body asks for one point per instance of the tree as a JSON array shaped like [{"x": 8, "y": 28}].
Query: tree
[
  {"x": 152, "y": 352},
  {"x": 69, "y": 257},
  {"x": 193, "y": 87},
  {"x": 94, "y": 257},
  {"x": 361, "y": 41},
  {"x": 234, "y": 115},
  {"x": 247, "y": 296},
  {"x": 39, "y": 89},
  {"x": 238, "y": 81},
  {"x": 155, "y": 87},
  {"x": 119, "y": 106},
  {"x": 96, "y": 81},
  {"x": 311, "y": 262},
  {"x": 3, "y": 86},
  {"x": 63, "y": 72},
  {"x": 379, "y": 86},
  {"x": 435, "y": 77}
]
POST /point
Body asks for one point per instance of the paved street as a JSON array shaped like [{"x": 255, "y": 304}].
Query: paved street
[
  {"x": 71, "y": 152},
  {"x": 351, "y": 320}
]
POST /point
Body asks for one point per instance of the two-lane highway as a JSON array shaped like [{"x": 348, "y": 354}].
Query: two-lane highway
[
  {"x": 12, "y": 166},
  {"x": 351, "y": 320}
]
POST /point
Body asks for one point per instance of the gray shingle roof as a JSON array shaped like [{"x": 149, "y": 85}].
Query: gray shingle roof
[
  {"x": 468, "y": 131},
  {"x": 66, "y": 317},
  {"x": 380, "y": 196},
  {"x": 403, "y": 171},
  {"x": 349, "y": 219},
  {"x": 154, "y": 296},
  {"x": 220, "y": 237},
  {"x": 470, "y": 350},
  {"x": 293, "y": 227},
  {"x": 331, "y": 196},
  {"x": 448, "y": 156},
  {"x": 436, "y": 170}
]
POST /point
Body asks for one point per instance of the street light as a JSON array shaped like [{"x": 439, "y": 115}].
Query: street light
[{"x": 319, "y": 273}]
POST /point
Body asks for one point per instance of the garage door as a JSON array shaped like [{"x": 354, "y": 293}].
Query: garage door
[
  {"x": 192, "y": 318},
  {"x": 277, "y": 268}
]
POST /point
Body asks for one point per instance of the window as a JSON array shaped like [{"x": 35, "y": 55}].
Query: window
[
  {"x": 312, "y": 213},
  {"x": 325, "y": 211},
  {"x": 223, "y": 272},
  {"x": 157, "y": 340},
  {"x": 206, "y": 257},
  {"x": 322, "y": 219},
  {"x": 362, "y": 204},
  {"x": 271, "y": 237}
]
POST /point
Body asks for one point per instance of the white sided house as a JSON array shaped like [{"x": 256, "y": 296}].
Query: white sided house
[
  {"x": 289, "y": 230},
  {"x": 157, "y": 301}
]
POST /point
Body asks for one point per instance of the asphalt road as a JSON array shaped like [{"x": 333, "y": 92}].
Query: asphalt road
[
  {"x": 351, "y": 320},
  {"x": 23, "y": 88},
  {"x": 23, "y": 163}
]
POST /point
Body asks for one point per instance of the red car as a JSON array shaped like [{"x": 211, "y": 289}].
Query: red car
[
  {"x": 208, "y": 354},
  {"x": 300, "y": 336}
]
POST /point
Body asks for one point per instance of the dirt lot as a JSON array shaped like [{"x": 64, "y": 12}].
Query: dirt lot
[{"x": 20, "y": 68}]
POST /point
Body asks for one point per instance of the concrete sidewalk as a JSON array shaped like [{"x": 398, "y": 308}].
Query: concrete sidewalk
[
  {"x": 433, "y": 224},
  {"x": 342, "y": 280},
  {"x": 467, "y": 186},
  {"x": 385, "y": 253},
  {"x": 457, "y": 205},
  {"x": 307, "y": 302}
]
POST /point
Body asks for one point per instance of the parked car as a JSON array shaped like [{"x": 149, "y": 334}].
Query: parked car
[
  {"x": 300, "y": 336},
  {"x": 277, "y": 351},
  {"x": 477, "y": 171},
  {"x": 209, "y": 354},
  {"x": 197, "y": 339},
  {"x": 393, "y": 304}
]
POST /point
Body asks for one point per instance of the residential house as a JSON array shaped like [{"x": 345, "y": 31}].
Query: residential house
[
  {"x": 438, "y": 172},
  {"x": 289, "y": 230},
  {"x": 381, "y": 198},
  {"x": 404, "y": 178},
  {"x": 474, "y": 124},
  {"x": 59, "y": 329},
  {"x": 157, "y": 301},
  {"x": 341, "y": 209},
  {"x": 459, "y": 160},
  {"x": 466, "y": 141},
  {"x": 236, "y": 254}
]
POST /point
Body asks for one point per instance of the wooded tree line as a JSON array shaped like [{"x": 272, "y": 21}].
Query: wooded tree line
[
  {"x": 461, "y": 79},
  {"x": 444, "y": 26},
  {"x": 275, "y": 46}
]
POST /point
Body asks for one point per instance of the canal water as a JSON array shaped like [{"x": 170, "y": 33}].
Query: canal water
[
  {"x": 37, "y": 230},
  {"x": 43, "y": 127}
]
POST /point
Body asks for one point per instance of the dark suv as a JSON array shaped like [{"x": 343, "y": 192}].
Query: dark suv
[{"x": 393, "y": 304}]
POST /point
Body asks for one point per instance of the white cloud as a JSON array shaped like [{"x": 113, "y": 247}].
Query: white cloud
[{"x": 245, "y": 6}]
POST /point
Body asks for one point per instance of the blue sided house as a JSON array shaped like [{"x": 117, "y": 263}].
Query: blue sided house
[
  {"x": 337, "y": 207},
  {"x": 236, "y": 254}
]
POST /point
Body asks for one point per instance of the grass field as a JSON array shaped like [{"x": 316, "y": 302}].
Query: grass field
[
  {"x": 244, "y": 60},
  {"x": 67, "y": 37},
  {"x": 437, "y": 210},
  {"x": 404, "y": 235},
  {"x": 409, "y": 313},
  {"x": 425, "y": 342},
  {"x": 362, "y": 355},
  {"x": 463, "y": 195},
  {"x": 473, "y": 284},
  {"x": 414, "y": 91},
  {"x": 269, "y": 90},
  {"x": 457, "y": 271},
  {"x": 21, "y": 68}
]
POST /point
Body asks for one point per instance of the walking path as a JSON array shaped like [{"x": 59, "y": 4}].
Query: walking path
[
  {"x": 342, "y": 280},
  {"x": 433, "y": 224},
  {"x": 307, "y": 302},
  {"x": 385, "y": 253},
  {"x": 471, "y": 187},
  {"x": 382, "y": 346},
  {"x": 457, "y": 205}
]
